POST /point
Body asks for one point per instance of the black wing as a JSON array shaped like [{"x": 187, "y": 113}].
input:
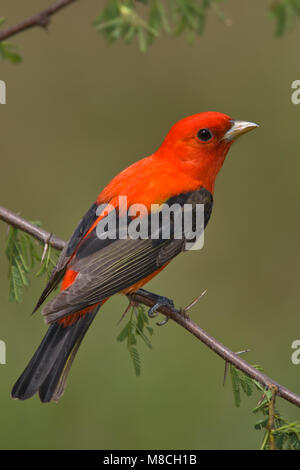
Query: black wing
[
  {"x": 60, "y": 268},
  {"x": 106, "y": 267}
]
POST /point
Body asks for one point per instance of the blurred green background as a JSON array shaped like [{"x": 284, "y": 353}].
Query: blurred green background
[{"x": 78, "y": 111}]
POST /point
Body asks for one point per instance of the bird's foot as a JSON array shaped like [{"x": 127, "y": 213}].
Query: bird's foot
[{"x": 160, "y": 301}]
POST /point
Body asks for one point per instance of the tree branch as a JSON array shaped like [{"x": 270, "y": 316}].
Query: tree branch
[
  {"x": 148, "y": 299},
  {"x": 42, "y": 19},
  {"x": 36, "y": 232}
]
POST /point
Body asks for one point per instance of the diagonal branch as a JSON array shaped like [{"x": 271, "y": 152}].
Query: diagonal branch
[
  {"x": 149, "y": 300},
  {"x": 36, "y": 232},
  {"x": 42, "y": 19}
]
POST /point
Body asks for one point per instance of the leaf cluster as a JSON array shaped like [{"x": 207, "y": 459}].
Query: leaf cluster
[
  {"x": 8, "y": 51},
  {"x": 123, "y": 19},
  {"x": 146, "y": 20},
  {"x": 23, "y": 253},
  {"x": 285, "y": 13},
  {"x": 136, "y": 327},
  {"x": 286, "y": 434}
]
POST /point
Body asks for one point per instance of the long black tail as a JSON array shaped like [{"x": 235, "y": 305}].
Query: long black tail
[{"x": 47, "y": 371}]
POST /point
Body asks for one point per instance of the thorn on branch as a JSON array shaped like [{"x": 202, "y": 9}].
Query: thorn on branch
[
  {"x": 227, "y": 364},
  {"x": 46, "y": 247},
  {"x": 260, "y": 400},
  {"x": 43, "y": 20},
  {"x": 193, "y": 303},
  {"x": 131, "y": 304}
]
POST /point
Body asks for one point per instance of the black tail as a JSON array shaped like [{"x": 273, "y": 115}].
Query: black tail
[{"x": 47, "y": 371}]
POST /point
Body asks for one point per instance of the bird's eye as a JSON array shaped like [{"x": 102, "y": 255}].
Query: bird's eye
[{"x": 204, "y": 135}]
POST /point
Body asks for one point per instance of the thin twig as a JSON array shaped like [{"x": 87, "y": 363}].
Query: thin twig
[
  {"x": 36, "y": 232},
  {"x": 148, "y": 299},
  {"x": 271, "y": 420},
  {"x": 41, "y": 19}
]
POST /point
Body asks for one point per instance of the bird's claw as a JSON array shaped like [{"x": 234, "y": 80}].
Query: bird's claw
[
  {"x": 163, "y": 322},
  {"x": 161, "y": 301}
]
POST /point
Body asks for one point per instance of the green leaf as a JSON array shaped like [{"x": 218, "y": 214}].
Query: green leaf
[
  {"x": 285, "y": 13},
  {"x": 131, "y": 339},
  {"x": 142, "y": 39},
  {"x": 8, "y": 52},
  {"x": 122, "y": 20},
  {"x": 246, "y": 383},
  {"x": 265, "y": 401},
  {"x": 235, "y": 385},
  {"x": 15, "y": 286},
  {"x": 135, "y": 328},
  {"x": 140, "y": 322},
  {"x": 261, "y": 423},
  {"x": 22, "y": 252},
  {"x": 124, "y": 333},
  {"x": 136, "y": 360},
  {"x": 144, "y": 337},
  {"x": 150, "y": 330}
]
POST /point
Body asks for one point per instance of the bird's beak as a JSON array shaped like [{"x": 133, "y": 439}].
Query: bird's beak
[{"x": 238, "y": 128}]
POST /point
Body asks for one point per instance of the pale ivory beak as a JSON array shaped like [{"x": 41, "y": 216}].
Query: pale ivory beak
[{"x": 238, "y": 128}]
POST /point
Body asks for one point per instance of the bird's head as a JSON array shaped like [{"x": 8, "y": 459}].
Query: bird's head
[{"x": 198, "y": 144}]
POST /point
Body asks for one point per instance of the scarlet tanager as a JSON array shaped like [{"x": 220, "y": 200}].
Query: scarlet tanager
[{"x": 91, "y": 269}]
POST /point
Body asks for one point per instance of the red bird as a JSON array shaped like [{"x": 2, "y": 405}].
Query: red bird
[{"x": 92, "y": 269}]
